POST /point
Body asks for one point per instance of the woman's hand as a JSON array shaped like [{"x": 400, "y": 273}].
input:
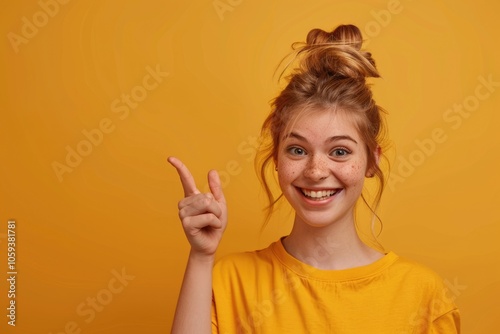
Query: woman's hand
[{"x": 203, "y": 216}]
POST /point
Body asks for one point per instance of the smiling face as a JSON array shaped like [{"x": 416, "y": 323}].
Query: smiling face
[{"x": 322, "y": 164}]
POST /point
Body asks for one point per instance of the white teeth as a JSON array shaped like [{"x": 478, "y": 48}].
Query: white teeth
[{"x": 319, "y": 193}]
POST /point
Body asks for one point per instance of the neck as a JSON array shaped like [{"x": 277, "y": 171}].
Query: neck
[{"x": 336, "y": 246}]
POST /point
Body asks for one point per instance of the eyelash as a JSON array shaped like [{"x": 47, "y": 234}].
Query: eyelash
[
  {"x": 347, "y": 152},
  {"x": 292, "y": 150}
]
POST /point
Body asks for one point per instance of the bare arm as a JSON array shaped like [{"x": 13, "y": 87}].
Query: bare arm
[
  {"x": 204, "y": 219},
  {"x": 192, "y": 314}
]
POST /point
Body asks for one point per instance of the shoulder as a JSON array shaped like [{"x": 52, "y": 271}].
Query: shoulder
[
  {"x": 417, "y": 272},
  {"x": 432, "y": 290},
  {"x": 245, "y": 261}
]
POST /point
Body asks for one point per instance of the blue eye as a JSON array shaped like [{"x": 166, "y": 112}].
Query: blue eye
[
  {"x": 340, "y": 152},
  {"x": 296, "y": 151}
]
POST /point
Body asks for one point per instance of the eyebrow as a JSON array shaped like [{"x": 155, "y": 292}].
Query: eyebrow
[{"x": 331, "y": 139}]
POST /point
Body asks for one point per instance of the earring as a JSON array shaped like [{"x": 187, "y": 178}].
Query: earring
[{"x": 276, "y": 168}]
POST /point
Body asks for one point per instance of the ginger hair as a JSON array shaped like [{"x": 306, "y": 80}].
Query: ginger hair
[{"x": 331, "y": 75}]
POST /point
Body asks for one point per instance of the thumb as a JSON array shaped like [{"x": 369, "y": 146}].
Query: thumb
[{"x": 216, "y": 186}]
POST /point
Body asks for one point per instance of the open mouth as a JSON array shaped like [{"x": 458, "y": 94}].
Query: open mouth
[{"x": 319, "y": 195}]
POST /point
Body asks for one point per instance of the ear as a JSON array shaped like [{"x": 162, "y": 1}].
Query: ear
[
  {"x": 377, "y": 154},
  {"x": 370, "y": 172}
]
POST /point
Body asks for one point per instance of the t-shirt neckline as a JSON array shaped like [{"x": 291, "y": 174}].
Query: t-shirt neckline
[{"x": 308, "y": 271}]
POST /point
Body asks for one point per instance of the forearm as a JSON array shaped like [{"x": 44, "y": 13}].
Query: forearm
[{"x": 193, "y": 312}]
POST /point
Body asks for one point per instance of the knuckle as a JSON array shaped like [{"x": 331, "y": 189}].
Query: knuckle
[
  {"x": 182, "y": 214},
  {"x": 204, "y": 201},
  {"x": 187, "y": 221},
  {"x": 181, "y": 204}
]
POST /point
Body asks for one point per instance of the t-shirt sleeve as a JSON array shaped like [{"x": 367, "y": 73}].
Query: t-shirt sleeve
[
  {"x": 446, "y": 314},
  {"x": 448, "y": 323},
  {"x": 215, "y": 327}
]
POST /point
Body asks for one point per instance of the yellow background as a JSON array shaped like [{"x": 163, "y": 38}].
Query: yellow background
[{"x": 118, "y": 207}]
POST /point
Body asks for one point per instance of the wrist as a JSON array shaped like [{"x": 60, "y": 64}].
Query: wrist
[{"x": 200, "y": 257}]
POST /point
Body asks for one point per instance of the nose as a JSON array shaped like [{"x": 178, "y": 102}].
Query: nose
[{"x": 316, "y": 169}]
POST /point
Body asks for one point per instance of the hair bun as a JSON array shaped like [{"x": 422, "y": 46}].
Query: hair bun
[
  {"x": 347, "y": 34},
  {"x": 337, "y": 53}
]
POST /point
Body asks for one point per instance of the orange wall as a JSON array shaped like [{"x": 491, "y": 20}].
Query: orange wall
[{"x": 96, "y": 94}]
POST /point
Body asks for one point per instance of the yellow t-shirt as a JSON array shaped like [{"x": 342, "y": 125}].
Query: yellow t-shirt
[{"x": 269, "y": 291}]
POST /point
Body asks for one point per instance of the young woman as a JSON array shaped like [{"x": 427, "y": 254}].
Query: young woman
[{"x": 325, "y": 133}]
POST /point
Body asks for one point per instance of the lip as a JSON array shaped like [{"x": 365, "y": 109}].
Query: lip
[{"x": 314, "y": 202}]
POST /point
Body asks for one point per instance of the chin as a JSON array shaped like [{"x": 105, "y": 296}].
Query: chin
[{"x": 320, "y": 219}]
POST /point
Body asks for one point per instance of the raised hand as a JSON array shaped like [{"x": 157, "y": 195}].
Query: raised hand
[{"x": 203, "y": 216}]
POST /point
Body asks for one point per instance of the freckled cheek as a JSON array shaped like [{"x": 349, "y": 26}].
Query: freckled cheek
[
  {"x": 352, "y": 174},
  {"x": 286, "y": 175},
  {"x": 286, "y": 169}
]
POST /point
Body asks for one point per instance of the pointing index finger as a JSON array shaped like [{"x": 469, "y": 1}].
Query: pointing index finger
[{"x": 186, "y": 177}]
